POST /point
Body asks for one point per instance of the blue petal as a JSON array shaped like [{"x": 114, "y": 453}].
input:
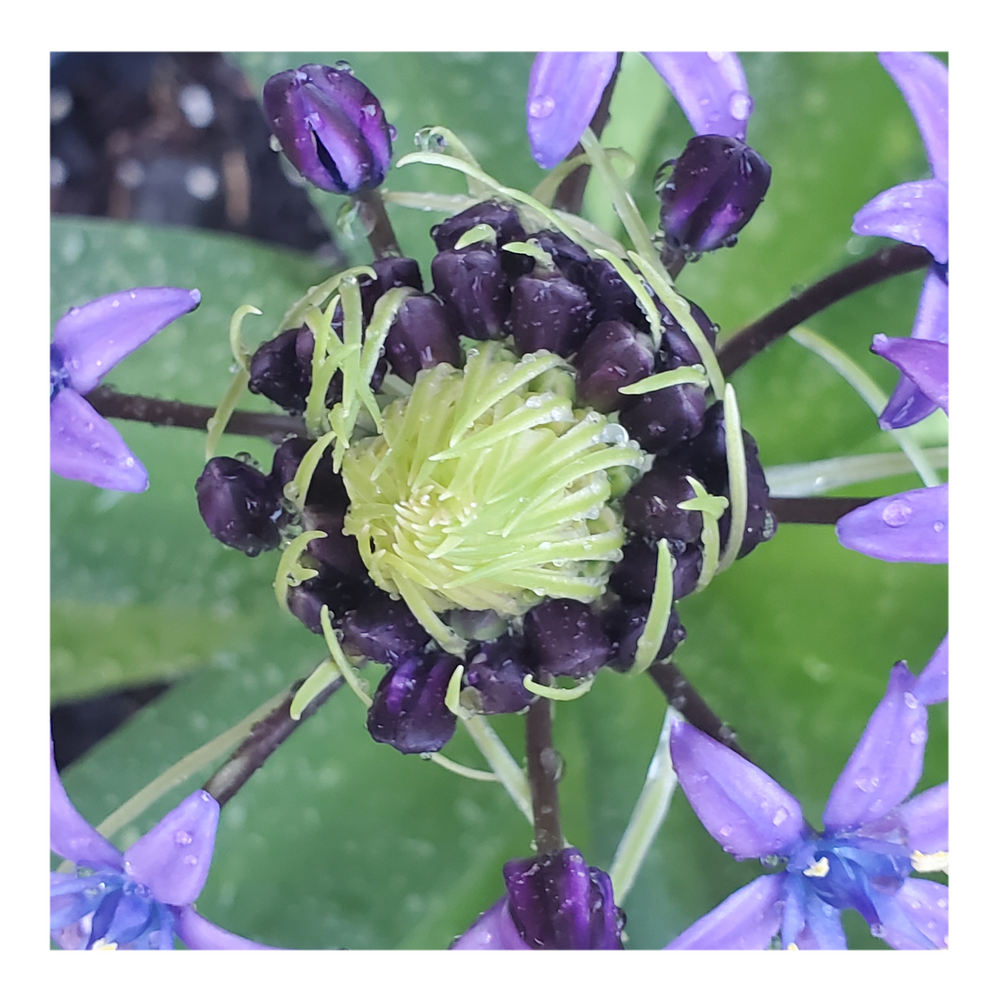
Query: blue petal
[
  {"x": 93, "y": 338},
  {"x": 923, "y": 81},
  {"x": 83, "y": 445},
  {"x": 747, "y": 920},
  {"x": 887, "y": 762},
  {"x": 494, "y": 930},
  {"x": 915, "y": 212},
  {"x": 907, "y": 527},
  {"x": 925, "y": 819},
  {"x": 746, "y": 811},
  {"x": 564, "y": 91},
  {"x": 917, "y": 916},
  {"x": 173, "y": 859},
  {"x": 924, "y": 362},
  {"x": 710, "y": 87},
  {"x": 932, "y": 684}
]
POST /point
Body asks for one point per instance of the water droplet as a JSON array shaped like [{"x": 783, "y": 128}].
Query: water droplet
[
  {"x": 780, "y": 816},
  {"x": 725, "y": 831},
  {"x": 897, "y": 513},
  {"x": 343, "y": 66},
  {"x": 541, "y": 107},
  {"x": 182, "y": 837},
  {"x": 909, "y": 700},
  {"x": 190, "y": 859},
  {"x": 740, "y": 106},
  {"x": 371, "y": 110},
  {"x": 716, "y": 56},
  {"x": 918, "y": 736},
  {"x": 392, "y": 132},
  {"x": 939, "y": 526}
]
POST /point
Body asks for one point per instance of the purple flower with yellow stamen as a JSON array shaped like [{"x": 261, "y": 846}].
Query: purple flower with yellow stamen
[
  {"x": 917, "y": 212},
  {"x": 872, "y": 841},
  {"x": 88, "y": 342},
  {"x": 139, "y": 899}
]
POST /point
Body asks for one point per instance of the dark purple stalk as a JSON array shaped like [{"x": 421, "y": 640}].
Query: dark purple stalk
[
  {"x": 265, "y": 737},
  {"x": 172, "y": 413},
  {"x": 887, "y": 263},
  {"x": 381, "y": 236},
  {"x": 814, "y": 510},
  {"x": 544, "y": 771}
]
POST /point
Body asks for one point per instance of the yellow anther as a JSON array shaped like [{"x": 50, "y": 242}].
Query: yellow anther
[
  {"x": 817, "y": 869},
  {"x": 936, "y": 862}
]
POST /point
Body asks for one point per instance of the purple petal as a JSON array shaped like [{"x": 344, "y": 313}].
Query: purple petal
[
  {"x": 746, "y": 811},
  {"x": 908, "y": 405},
  {"x": 886, "y": 763},
  {"x": 915, "y": 212},
  {"x": 907, "y": 527},
  {"x": 83, "y": 445},
  {"x": 710, "y": 88},
  {"x": 493, "y": 931},
  {"x": 917, "y": 916},
  {"x": 72, "y": 837},
  {"x": 747, "y": 920},
  {"x": 924, "y": 362},
  {"x": 932, "y": 684},
  {"x": 925, "y": 817},
  {"x": 807, "y": 922},
  {"x": 563, "y": 93},
  {"x": 923, "y": 81},
  {"x": 202, "y": 935},
  {"x": 94, "y": 338},
  {"x": 173, "y": 859}
]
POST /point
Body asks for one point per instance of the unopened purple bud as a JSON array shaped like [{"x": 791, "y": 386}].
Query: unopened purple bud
[
  {"x": 717, "y": 184},
  {"x": 408, "y": 711},
  {"x": 330, "y": 126},
  {"x": 502, "y": 218},
  {"x": 610, "y": 296},
  {"x": 240, "y": 506},
  {"x": 496, "y": 672},
  {"x": 383, "y": 630},
  {"x": 325, "y": 487},
  {"x": 634, "y": 578},
  {"x": 566, "y": 638},
  {"x": 420, "y": 337},
  {"x": 337, "y": 550},
  {"x": 336, "y": 590},
  {"x": 625, "y": 623},
  {"x": 550, "y": 314},
  {"x": 569, "y": 257},
  {"x": 276, "y": 372},
  {"x": 676, "y": 348},
  {"x": 614, "y": 355},
  {"x": 650, "y": 506},
  {"x": 665, "y": 418},
  {"x": 473, "y": 286},
  {"x": 558, "y": 902}
]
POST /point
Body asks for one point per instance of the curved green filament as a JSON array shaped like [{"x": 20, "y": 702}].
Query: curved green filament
[
  {"x": 216, "y": 424},
  {"x": 736, "y": 460},
  {"x": 693, "y": 375},
  {"x": 312, "y": 686},
  {"x": 655, "y": 629},
  {"x": 643, "y": 297},
  {"x": 343, "y": 664},
  {"x": 477, "y": 234},
  {"x": 240, "y": 353},
  {"x": 711, "y": 508},
  {"x": 290, "y": 572},
  {"x": 556, "y": 693}
]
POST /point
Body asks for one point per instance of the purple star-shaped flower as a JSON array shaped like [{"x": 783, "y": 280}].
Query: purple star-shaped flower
[
  {"x": 565, "y": 89},
  {"x": 142, "y": 898},
  {"x": 917, "y": 212},
  {"x": 872, "y": 841},
  {"x": 88, "y": 342},
  {"x": 553, "y": 902}
]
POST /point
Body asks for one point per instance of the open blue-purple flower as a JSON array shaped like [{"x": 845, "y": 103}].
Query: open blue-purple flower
[
  {"x": 139, "y": 899},
  {"x": 873, "y": 839},
  {"x": 87, "y": 343},
  {"x": 917, "y": 212},
  {"x": 553, "y": 902},
  {"x": 565, "y": 89}
]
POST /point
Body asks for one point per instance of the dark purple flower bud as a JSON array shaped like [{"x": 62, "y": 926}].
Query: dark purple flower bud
[
  {"x": 383, "y": 630},
  {"x": 614, "y": 354},
  {"x": 571, "y": 259},
  {"x": 420, "y": 337},
  {"x": 390, "y": 272},
  {"x": 610, "y": 296},
  {"x": 676, "y": 348},
  {"x": 496, "y": 672},
  {"x": 408, "y": 711},
  {"x": 330, "y": 126},
  {"x": 566, "y": 638},
  {"x": 550, "y": 314},
  {"x": 325, "y": 487},
  {"x": 650, "y": 506},
  {"x": 634, "y": 578},
  {"x": 624, "y": 624},
  {"x": 502, "y": 218},
  {"x": 277, "y": 372},
  {"x": 473, "y": 286},
  {"x": 558, "y": 902},
  {"x": 336, "y": 590},
  {"x": 663, "y": 419},
  {"x": 706, "y": 456},
  {"x": 717, "y": 184},
  {"x": 337, "y": 551},
  {"x": 240, "y": 506}
]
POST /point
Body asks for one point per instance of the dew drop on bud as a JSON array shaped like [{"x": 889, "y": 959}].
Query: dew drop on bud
[
  {"x": 740, "y": 105},
  {"x": 182, "y": 837},
  {"x": 541, "y": 107},
  {"x": 897, "y": 513}
]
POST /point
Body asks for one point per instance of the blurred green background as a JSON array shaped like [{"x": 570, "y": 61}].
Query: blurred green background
[{"x": 342, "y": 843}]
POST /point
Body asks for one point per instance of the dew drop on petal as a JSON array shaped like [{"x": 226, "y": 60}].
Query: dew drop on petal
[
  {"x": 918, "y": 736},
  {"x": 780, "y": 816},
  {"x": 725, "y": 831},
  {"x": 190, "y": 859},
  {"x": 909, "y": 700},
  {"x": 182, "y": 837},
  {"x": 541, "y": 107},
  {"x": 343, "y": 66},
  {"x": 938, "y": 526},
  {"x": 740, "y": 105},
  {"x": 897, "y": 513}
]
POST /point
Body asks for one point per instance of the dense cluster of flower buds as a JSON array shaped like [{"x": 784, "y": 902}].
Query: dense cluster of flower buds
[{"x": 555, "y": 302}]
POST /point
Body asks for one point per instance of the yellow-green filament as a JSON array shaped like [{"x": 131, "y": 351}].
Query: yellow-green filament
[
  {"x": 216, "y": 424},
  {"x": 343, "y": 664},
  {"x": 694, "y": 375},
  {"x": 452, "y": 697},
  {"x": 290, "y": 571},
  {"x": 712, "y": 508},
  {"x": 298, "y": 489},
  {"x": 466, "y": 772},
  {"x": 736, "y": 460},
  {"x": 643, "y": 297},
  {"x": 557, "y": 693},
  {"x": 482, "y": 233},
  {"x": 240, "y": 353},
  {"x": 312, "y": 686},
  {"x": 655, "y": 629}
]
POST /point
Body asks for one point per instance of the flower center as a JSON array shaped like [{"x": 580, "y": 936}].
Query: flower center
[{"x": 487, "y": 490}]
